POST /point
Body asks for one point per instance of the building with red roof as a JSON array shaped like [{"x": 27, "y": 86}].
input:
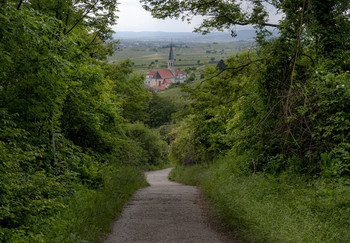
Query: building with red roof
[{"x": 159, "y": 79}]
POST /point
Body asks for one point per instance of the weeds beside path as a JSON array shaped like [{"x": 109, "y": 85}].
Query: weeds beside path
[{"x": 273, "y": 210}]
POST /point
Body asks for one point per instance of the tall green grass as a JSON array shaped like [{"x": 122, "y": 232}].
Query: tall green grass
[
  {"x": 283, "y": 209},
  {"x": 91, "y": 212},
  {"x": 87, "y": 215}
]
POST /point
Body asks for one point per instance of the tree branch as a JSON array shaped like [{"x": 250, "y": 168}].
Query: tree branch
[
  {"x": 262, "y": 120},
  {"x": 295, "y": 59},
  {"x": 245, "y": 23},
  {"x": 79, "y": 20},
  {"x": 19, "y": 4},
  {"x": 237, "y": 69}
]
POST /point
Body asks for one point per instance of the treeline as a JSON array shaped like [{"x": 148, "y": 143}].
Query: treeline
[{"x": 71, "y": 125}]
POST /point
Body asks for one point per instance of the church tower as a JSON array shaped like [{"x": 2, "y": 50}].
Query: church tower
[{"x": 171, "y": 59}]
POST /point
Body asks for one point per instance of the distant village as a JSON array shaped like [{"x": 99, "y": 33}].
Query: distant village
[{"x": 159, "y": 80}]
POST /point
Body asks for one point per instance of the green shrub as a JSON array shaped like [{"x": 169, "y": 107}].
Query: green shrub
[
  {"x": 159, "y": 110},
  {"x": 36, "y": 190},
  {"x": 83, "y": 216},
  {"x": 152, "y": 150},
  {"x": 185, "y": 149},
  {"x": 328, "y": 111}
]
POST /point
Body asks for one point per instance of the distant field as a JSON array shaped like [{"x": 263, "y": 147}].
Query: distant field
[{"x": 186, "y": 55}]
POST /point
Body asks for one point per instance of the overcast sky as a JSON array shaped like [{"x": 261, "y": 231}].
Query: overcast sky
[{"x": 132, "y": 17}]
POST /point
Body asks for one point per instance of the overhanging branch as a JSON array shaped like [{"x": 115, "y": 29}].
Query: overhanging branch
[{"x": 237, "y": 69}]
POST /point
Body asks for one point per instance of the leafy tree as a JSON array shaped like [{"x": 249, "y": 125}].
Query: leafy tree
[
  {"x": 63, "y": 110},
  {"x": 129, "y": 87},
  {"x": 159, "y": 111},
  {"x": 153, "y": 151}
]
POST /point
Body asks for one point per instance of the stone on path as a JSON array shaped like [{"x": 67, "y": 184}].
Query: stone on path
[{"x": 163, "y": 212}]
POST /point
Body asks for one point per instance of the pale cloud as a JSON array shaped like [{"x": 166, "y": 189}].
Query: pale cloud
[{"x": 132, "y": 17}]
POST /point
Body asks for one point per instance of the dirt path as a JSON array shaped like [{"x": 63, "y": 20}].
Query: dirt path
[{"x": 163, "y": 212}]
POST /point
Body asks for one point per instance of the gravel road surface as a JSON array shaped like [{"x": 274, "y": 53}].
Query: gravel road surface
[{"x": 163, "y": 212}]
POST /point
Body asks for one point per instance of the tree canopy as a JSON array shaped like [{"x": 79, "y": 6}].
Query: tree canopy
[{"x": 65, "y": 112}]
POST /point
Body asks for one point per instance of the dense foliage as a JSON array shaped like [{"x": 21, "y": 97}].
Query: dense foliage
[
  {"x": 284, "y": 105},
  {"x": 65, "y": 122}
]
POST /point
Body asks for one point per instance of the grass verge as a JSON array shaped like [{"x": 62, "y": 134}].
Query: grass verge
[
  {"x": 284, "y": 209},
  {"x": 89, "y": 213}
]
